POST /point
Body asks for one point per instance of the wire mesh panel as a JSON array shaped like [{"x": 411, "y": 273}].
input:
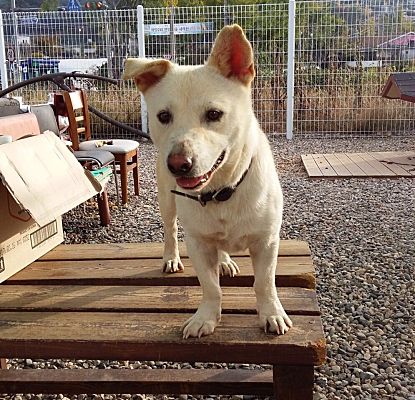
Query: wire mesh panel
[
  {"x": 95, "y": 42},
  {"x": 98, "y": 41},
  {"x": 345, "y": 52},
  {"x": 195, "y": 29}
]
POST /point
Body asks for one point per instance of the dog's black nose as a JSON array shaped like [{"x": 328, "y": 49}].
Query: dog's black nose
[{"x": 179, "y": 164}]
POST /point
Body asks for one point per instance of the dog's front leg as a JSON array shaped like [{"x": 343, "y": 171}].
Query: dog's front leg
[
  {"x": 167, "y": 204},
  {"x": 272, "y": 317},
  {"x": 204, "y": 259}
]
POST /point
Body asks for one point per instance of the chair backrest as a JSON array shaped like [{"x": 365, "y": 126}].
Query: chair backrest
[
  {"x": 45, "y": 117},
  {"x": 79, "y": 121}
]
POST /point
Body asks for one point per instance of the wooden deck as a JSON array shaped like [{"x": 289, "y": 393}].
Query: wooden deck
[
  {"x": 111, "y": 301},
  {"x": 361, "y": 165}
]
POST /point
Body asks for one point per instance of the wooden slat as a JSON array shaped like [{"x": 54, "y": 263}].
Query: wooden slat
[
  {"x": 148, "y": 336},
  {"x": 406, "y": 160},
  {"x": 350, "y": 165},
  {"x": 291, "y": 271},
  {"x": 310, "y": 165},
  {"x": 145, "y": 250},
  {"x": 389, "y": 156},
  {"x": 119, "y": 381},
  {"x": 143, "y": 299},
  {"x": 363, "y": 164},
  {"x": 368, "y": 164},
  {"x": 325, "y": 167},
  {"x": 340, "y": 169},
  {"x": 378, "y": 166}
]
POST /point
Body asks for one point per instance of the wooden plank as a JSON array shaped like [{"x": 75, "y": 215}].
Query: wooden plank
[
  {"x": 350, "y": 165},
  {"x": 107, "y": 251},
  {"x": 325, "y": 167},
  {"x": 389, "y": 156},
  {"x": 144, "y": 299},
  {"x": 340, "y": 169},
  {"x": 155, "y": 381},
  {"x": 397, "y": 169},
  {"x": 363, "y": 165},
  {"x": 293, "y": 382},
  {"x": 291, "y": 271},
  {"x": 378, "y": 166},
  {"x": 405, "y": 160},
  {"x": 310, "y": 165},
  {"x": 148, "y": 336}
]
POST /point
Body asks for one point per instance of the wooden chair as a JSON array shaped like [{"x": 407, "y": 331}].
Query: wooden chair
[{"x": 124, "y": 151}]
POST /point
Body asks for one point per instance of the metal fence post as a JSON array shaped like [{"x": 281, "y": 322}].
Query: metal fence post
[
  {"x": 290, "y": 70},
  {"x": 3, "y": 65},
  {"x": 142, "y": 53}
]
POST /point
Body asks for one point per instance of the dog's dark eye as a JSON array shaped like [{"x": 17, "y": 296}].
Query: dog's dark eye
[
  {"x": 164, "y": 117},
  {"x": 213, "y": 115}
]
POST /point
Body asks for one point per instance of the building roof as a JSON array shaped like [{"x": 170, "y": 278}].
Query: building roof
[
  {"x": 400, "y": 86},
  {"x": 401, "y": 40}
]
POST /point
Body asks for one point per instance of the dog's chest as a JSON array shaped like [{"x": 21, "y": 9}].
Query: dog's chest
[{"x": 224, "y": 228}]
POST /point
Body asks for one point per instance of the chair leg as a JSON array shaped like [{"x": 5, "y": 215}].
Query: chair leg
[
  {"x": 3, "y": 363},
  {"x": 136, "y": 175},
  {"x": 124, "y": 179},
  {"x": 114, "y": 166},
  {"x": 293, "y": 382},
  {"x": 103, "y": 207}
]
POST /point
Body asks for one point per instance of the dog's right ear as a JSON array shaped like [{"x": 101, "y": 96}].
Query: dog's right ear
[{"x": 145, "y": 72}]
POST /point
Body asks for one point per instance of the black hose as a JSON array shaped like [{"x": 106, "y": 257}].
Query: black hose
[{"x": 58, "y": 79}]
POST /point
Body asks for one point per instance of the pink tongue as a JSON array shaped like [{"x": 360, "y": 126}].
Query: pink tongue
[{"x": 188, "y": 183}]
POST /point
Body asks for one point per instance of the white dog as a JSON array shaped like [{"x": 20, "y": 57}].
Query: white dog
[{"x": 216, "y": 167}]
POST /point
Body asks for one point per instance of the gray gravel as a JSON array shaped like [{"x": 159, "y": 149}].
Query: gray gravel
[{"x": 362, "y": 236}]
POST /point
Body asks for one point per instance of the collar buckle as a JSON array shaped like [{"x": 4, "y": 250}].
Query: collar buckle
[{"x": 201, "y": 200}]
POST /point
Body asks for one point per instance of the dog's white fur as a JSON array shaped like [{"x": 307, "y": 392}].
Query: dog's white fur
[{"x": 251, "y": 218}]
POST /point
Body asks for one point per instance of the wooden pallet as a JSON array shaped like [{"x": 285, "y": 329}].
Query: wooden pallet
[
  {"x": 112, "y": 302},
  {"x": 360, "y": 165}
]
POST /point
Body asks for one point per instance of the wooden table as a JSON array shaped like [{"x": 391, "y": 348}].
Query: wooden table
[{"x": 111, "y": 302}]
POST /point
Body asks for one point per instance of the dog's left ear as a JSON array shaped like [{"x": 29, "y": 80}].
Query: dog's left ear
[
  {"x": 145, "y": 72},
  {"x": 232, "y": 55}
]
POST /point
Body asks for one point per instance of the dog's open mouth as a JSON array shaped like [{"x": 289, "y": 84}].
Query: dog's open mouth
[{"x": 193, "y": 182}]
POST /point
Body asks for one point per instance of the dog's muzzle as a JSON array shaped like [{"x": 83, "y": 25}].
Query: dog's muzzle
[{"x": 216, "y": 196}]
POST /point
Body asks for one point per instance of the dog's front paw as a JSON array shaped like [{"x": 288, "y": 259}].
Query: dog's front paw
[
  {"x": 275, "y": 320},
  {"x": 200, "y": 324},
  {"x": 172, "y": 265},
  {"x": 227, "y": 266}
]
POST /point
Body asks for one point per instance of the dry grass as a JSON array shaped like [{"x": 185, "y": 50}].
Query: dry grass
[{"x": 325, "y": 109}]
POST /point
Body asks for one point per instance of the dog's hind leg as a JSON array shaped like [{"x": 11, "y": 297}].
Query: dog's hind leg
[
  {"x": 272, "y": 317},
  {"x": 204, "y": 260},
  {"x": 226, "y": 265},
  {"x": 167, "y": 204}
]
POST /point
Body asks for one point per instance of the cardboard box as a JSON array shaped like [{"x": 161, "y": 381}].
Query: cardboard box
[{"x": 40, "y": 181}]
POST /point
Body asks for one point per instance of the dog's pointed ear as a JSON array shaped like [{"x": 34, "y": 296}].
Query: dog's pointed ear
[
  {"x": 145, "y": 72},
  {"x": 232, "y": 55}
]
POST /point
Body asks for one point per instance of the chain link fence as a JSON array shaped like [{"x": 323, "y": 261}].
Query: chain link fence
[{"x": 343, "y": 54}]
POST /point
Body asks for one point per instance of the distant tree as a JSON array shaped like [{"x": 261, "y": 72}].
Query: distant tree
[{"x": 49, "y": 5}]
